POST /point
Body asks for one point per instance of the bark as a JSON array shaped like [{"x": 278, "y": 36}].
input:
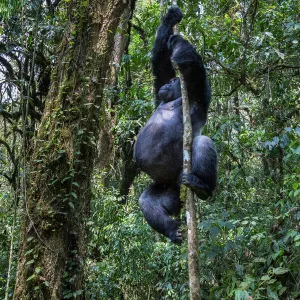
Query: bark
[
  {"x": 121, "y": 42},
  {"x": 53, "y": 236},
  {"x": 191, "y": 216},
  {"x": 191, "y": 213},
  {"x": 105, "y": 144},
  {"x": 129, "y": 171}
]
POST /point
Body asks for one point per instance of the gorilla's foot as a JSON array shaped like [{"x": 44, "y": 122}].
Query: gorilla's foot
[
  {"x": 175, "y": 235},
  {"x": 193, "y": 182}
]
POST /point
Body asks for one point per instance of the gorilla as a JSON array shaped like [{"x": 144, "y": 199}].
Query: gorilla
[{"x": 158, "y": 148}]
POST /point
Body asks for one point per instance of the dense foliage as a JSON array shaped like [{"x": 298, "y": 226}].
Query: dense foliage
[{"x": 249, "y": 232}]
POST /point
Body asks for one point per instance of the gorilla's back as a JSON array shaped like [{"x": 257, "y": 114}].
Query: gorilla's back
[{"x": 159, "y": 143}]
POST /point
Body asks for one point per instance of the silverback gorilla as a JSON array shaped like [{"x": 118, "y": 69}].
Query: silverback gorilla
[{"x": 158, "y": 149}]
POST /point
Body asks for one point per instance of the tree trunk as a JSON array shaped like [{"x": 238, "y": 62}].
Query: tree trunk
[
  {"x": 53, "y": 237},
  {"x": 105, "y": 155}
]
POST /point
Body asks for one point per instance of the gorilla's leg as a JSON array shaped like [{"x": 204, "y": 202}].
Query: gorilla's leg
[
  {"x": 203, "y": 178},
  {"x": 157, "y": 203}
]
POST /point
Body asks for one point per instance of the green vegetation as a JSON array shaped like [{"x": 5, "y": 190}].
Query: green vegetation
[{"x": 249, "y": 231}]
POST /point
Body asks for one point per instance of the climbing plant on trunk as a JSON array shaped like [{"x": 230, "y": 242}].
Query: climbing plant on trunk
[{"x": 56, "y": 205}]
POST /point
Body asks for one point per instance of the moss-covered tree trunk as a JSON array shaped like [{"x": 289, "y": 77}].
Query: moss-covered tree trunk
[{"x": 53, "y": 239}]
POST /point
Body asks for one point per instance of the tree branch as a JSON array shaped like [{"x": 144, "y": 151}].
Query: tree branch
[
  {"x": 141, "y": 32},
  {"x": 8, "y": 67},
  {"x": 230, "y": 93},
  {"x": 9, "y": 151}
]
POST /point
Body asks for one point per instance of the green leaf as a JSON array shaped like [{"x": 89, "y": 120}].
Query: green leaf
[
  {"x": 74, "y": 195},
  {"x": 297, "y": 150},
  {"x": 211, "y": 254},
  {"x": 297, "y": 238},
  {"x": 269, "y": 34},
  {"x": 31, "y": 277},
  {"x": 281, "y": 55},
  {"x": 271, "y": 281},
  {"x": 30, "y": 262},
  {"x": 68, "y": 296},
  {"x": 28, "y": 252},
  {"x": 54, "y": 181},
  {"x": 65, "y": 179},
  {"x": 214, "y": 232},
  {"x": 295, "y": 185},
  {"x": 282, "y": 290},
  {"x": 241, "y": 295},
  {"x": 280, "y": 270},
  {"x": 273, "y": 295},
  {"x": 265, "y": 277}
]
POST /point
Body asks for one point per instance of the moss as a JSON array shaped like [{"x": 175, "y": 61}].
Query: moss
[{"x": 64, "y": 90}]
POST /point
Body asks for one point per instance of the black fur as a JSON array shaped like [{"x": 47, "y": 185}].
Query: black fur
[{"x": 158, "y": 149}]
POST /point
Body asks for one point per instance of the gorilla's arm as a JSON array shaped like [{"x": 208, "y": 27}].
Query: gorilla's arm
[
  {"x": 191, "y": 66},
  {"x": 161, "y": 63}
]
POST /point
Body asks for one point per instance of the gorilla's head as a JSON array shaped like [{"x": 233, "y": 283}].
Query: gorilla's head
[{"x": 170, "y": 91}]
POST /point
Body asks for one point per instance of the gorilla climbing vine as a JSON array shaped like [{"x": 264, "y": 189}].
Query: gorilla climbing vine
[{"x": 159, "y": 145}]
